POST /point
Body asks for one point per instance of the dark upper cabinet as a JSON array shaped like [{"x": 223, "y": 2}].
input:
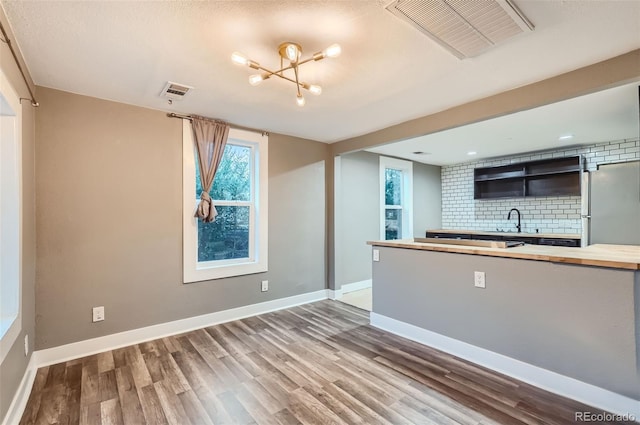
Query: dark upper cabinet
[{"x": 548, "y": 177}]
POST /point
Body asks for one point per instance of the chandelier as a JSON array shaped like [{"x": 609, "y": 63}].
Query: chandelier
[{"x": 290, "y": 52}]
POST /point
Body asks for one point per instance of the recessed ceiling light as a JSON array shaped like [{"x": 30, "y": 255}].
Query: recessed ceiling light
[
  {"x": 566, "y": 137},
  {"x": 472, "y": 153},
  {"x": 421, "y": 153}
]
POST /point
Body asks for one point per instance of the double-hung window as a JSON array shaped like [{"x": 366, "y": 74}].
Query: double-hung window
[
  {"x": 396, "y": 199},
  {"x": 10, "y": 216},
  {"x": 235, "y": 243}
]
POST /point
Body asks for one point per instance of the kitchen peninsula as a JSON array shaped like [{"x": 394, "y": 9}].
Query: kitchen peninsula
[{"x": 564, "y": 319}]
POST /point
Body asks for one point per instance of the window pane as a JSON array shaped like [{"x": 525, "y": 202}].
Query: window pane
[
  {"x": 225, "y": 238},
  {"x": 393, "y": 186},
  {"x": 233, "y": 178},
  {"x": 393, "y": 224}
]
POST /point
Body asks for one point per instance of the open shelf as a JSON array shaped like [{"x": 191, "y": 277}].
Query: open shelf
[
  {"x": 496, "y": 173},
  {"x": 489, "y": 179},
  {"x": 555, "y": 165},
  {"x": 551, "y": 173},
  {"x": 504, "y": 188},
  {"x": 550, "y": 177}
]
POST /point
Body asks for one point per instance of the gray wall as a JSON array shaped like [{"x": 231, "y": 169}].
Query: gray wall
[
  {"x": 359, "y": 202},
  {"x": 109, "y": 217},
  {"x": 427, "y": 198},
  {"x": 359, "y": 215},
  {"x": 15, "y": 363},
  {"x": 577, "y": 321}
]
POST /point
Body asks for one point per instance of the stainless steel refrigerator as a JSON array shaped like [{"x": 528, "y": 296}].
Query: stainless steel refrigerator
[{"x": 611, "y": 204}]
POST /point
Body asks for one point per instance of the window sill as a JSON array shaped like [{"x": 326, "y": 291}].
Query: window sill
[{"x": 204, "y": 272}]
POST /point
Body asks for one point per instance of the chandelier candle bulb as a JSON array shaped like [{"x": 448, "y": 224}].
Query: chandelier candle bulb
[
  {"x": 300, "y": 100},
  {"x": 238, "y": 58},
  {"x": 333, "y": 51},
  {"x": 293, "y": 52},
  {"x": 317, "y": 90},
  {"x": 255, "y": 79}
]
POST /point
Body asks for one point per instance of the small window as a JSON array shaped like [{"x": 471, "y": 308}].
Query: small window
[
  {"x": 235, "y": 243},
  {"x": 396, "y": 183},
  {"x": 10, "y": 216}
]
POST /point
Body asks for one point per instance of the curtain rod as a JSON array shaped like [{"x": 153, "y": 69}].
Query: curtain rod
[
  {"x": 238, "y": 127},
  {"x": 5, "y": 39}
]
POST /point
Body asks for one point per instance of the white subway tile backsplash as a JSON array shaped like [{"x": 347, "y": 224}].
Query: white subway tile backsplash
[{"x": 546, "y": 214}]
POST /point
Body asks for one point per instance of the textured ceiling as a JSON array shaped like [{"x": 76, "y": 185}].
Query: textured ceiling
[
  {"x": 604, "y": 116},
  {"x": 388, "y": 72}
]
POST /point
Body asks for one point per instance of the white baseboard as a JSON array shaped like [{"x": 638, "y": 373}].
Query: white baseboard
[
  {"x": 356, "y": 286},
  {"x": 19, "y": 402},
  {"x": 109, "y": 342},
  {"x": 333, "y": 294},
  {"x": 534, "y": 375},
  {"x": 336, "y": 294}
]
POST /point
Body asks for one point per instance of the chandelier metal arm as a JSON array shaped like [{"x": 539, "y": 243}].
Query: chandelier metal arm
[
  {"x": 295, "y": 71},
  {"x": 278, "y": 74},
  {"x": 280, "y": 71},
  {"x": 312, "y": 58},
  {"x": 286, "y": 68}
]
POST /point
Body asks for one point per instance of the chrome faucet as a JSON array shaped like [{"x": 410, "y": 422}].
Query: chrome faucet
[{"x": 509, "y": 218}]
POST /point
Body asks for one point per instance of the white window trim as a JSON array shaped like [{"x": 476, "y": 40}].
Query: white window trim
[
  {"x": 193, "y": 271},
  {"x": 407, "y": 194},
  {"x": 8, "y": 339}
]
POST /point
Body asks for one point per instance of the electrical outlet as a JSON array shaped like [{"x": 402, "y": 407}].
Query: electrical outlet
[
  {"x": 478, "y": 279},
  {"x": 376, "y": 255},
  {"x": 265, "y": 286},
  {"x": 26, "y": 345},
  {"x": 98, "y": 314}
]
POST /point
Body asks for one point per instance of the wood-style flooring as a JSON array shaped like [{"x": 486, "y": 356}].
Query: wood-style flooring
[{"x": 319, "y": 363}]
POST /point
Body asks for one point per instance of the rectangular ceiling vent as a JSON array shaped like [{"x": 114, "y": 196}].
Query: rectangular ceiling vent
[
  {"x": 175, "y": 91},
  {"x": 464, "y": 27}
]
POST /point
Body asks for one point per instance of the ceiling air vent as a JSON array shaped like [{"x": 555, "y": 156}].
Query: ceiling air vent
[
  {"x": 464, "y": 27},
  {"x": 175, "y": 91}
]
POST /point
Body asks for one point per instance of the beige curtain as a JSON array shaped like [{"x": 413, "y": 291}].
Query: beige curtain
[{"x": 210, "y": 138}]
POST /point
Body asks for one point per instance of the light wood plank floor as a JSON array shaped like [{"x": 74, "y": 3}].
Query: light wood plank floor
[
  {"x": 362, "y": 298},
  {"x": 319, "y": 363}
]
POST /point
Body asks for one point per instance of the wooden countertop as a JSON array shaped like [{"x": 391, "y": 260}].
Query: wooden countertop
[
  {"x": 532, "y": 235},
  {"x": 600, "y": 255}
]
